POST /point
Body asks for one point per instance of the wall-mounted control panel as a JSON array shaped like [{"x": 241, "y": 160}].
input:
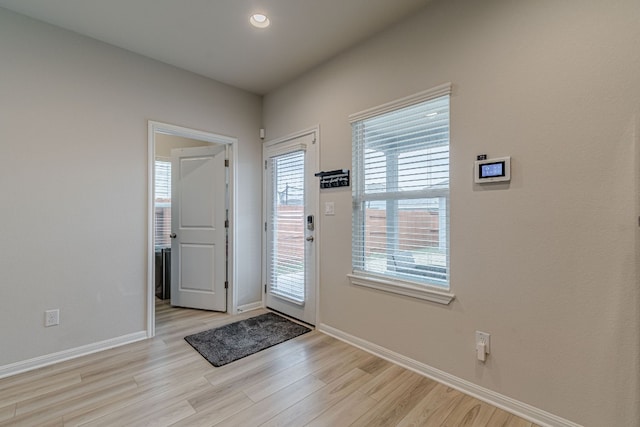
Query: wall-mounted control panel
[{"x": 492, "y": 170}]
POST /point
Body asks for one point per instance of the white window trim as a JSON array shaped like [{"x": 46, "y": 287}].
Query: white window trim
[
  {"x": 398, "y": 286},
  {"x": 435, "y": 92},
  {"x": 401, "y": 287}
]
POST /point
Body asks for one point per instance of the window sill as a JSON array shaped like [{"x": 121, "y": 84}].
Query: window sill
[{"x": 402, "y": 288}]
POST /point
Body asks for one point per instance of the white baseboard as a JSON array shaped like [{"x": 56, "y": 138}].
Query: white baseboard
[
  {"x": 523, "y": 410},
  {"x": 249, "y": 307},
  {"x": 50, "y": 359}
]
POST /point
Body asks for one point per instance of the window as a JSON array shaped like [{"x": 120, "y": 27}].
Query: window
[
  {"x": 287, "y": 252},
  {"x": 162, "y": 204},
  {"x": 401, "y": 196}
]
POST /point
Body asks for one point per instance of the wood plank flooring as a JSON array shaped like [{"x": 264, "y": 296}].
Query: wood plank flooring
[{"x": 313, "y": 380}]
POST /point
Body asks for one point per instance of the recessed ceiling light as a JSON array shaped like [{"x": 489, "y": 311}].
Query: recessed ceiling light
[{"x": 259, "y": 20}]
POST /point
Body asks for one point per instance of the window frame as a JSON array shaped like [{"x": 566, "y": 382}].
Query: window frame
[{"x": 388, "y": 283}]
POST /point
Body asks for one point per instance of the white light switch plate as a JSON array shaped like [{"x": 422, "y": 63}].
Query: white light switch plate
[{"x": 329, "y": 208}]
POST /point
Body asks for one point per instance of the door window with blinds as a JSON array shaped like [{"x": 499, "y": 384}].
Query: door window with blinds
[
  {"x": 401, "y": 190},
  {"x": 286, "y": 267}
]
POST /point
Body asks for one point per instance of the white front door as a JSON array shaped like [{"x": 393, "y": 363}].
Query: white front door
[
  {"x": 291, "y": 222},
  {"x": 198, "y": 218}
]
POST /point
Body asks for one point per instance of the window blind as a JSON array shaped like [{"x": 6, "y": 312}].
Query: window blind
[
  {"x": 401, "y": 193},
  {"x": 162, "y": 204},
  {"x": 287, "y": 225}
]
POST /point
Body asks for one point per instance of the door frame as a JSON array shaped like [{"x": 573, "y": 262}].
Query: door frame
[
  {"x": 154, "y": 128},
  {"x": 315, "y": 204}
]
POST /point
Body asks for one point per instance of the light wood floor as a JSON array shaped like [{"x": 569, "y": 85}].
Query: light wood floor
[{"x": 313, "y": 380}]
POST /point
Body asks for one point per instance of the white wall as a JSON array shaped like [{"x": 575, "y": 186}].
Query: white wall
[
  {"x": 547, "y": 265},
  {"x": 73, "y": 182}
]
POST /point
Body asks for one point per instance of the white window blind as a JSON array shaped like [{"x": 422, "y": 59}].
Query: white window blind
[
  {"x": 287, "y": 224},
  {"x": 401, "y": 192},
  {"x": 162, "y": 204}
]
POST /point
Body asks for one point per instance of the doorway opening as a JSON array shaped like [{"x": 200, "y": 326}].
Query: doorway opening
[{"x": 162, "y": 140}]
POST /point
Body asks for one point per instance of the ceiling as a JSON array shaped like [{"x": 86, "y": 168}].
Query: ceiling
[{"x": 213, "y": 38}]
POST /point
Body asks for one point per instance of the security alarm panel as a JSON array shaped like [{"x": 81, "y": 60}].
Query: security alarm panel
[{"x": 493, "y": 170}]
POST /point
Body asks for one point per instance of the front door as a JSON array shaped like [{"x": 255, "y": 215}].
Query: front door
[
  {"x": 198, "y": 218},
  {"x": 290, "y": 223}
]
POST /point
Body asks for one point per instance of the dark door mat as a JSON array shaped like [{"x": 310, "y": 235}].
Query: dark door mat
[{"x": 240, "y": 339}]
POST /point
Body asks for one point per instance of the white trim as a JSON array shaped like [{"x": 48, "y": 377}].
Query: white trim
[
  {"x": 232, "y": 306},
  {"x": 434, "y": 92},
  {"x": 168, "y": 129},
  {"x": 294, "y": 135},
  {"x": 520, "y": 409},
  {"x": 400, "y": 287},
  {"x": 50, "y": 359},
  {"x": 250, "y": 307},
  {"x": 151, "y": 292},
  {"x": 154, "y": 127},
  {"x": 288, "y": 149}
]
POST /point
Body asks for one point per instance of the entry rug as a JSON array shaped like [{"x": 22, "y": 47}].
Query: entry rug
[{"x": 240, "y": 339}]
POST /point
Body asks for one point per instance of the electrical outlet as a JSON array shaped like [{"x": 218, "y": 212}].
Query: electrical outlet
[
  {"x": 52, "y": 317},
  {"x": 484, "y": 338}
]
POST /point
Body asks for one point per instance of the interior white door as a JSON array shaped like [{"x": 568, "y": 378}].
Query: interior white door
[
  {"x": 198, "y": 217},
  {"x": 290, "y": 218}
]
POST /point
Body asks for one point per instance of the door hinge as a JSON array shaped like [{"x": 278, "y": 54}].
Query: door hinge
[
  {"x": 226, "y": 163},
  {"x": 265, "y": 165},
  {"x": 226, "y": 223},
  {"x": 226, "y": 285},
  {"x": 265, "y": 288},
  {"x": 265, "y": 226}
]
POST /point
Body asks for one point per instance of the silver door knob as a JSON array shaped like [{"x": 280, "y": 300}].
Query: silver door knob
[
  {"x": 173, "y": 235},
  {"x": 310, "y": 239}
]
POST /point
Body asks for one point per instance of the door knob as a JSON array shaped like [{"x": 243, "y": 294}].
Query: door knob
[
  {"x": 173, "y": 235},
  {"x": 310, "y": 239}
]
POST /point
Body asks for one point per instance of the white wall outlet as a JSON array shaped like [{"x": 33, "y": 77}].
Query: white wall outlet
[
  {"x": 52, "y": 317},
  {"x": 484, "y": 338},
  {"x": 483, "y": 345}
]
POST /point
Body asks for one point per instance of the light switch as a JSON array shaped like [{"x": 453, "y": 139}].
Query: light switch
[{"x": 329, "y": 208}]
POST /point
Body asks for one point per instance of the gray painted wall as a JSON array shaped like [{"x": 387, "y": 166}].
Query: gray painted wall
[
  {"x": 73, "y": 182},
  {"x": 547, "y": 265}
]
